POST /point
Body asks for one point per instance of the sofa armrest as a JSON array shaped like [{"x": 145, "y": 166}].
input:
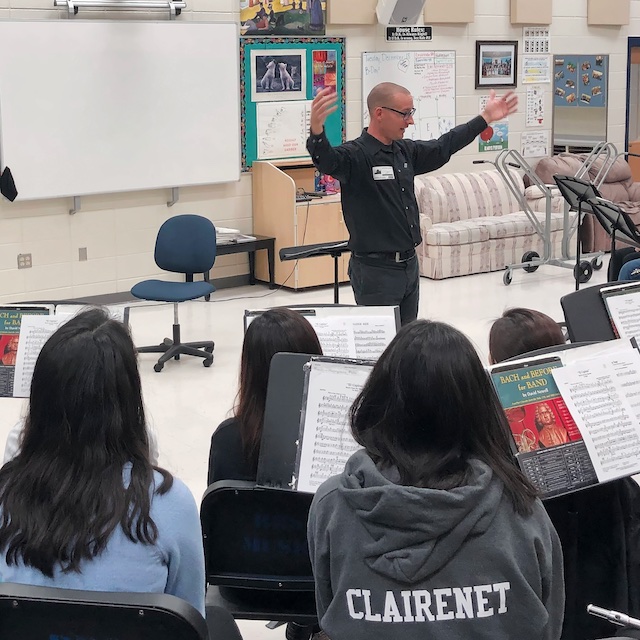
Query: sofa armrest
[{"x": 425, "y": 224}]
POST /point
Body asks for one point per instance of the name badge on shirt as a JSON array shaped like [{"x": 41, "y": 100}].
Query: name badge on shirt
[{"x": 383, "y": 173}]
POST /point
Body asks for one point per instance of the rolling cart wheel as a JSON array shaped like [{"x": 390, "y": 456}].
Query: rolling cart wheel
[
  {"x": 596, "y": 263},
  {"x": 530, "y": 256},
  {"x": 507, "y": 277},
  {"x": 158, "y": 367},
  {"x": 583, "y": 272},
  {"x": 207, "y": 362}
]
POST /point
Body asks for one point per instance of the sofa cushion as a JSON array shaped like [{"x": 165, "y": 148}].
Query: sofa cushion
[
  {"x": 450, "y": 197},
  {"x": 517, "y": 224},
  {"x": 456, "y": 233}
]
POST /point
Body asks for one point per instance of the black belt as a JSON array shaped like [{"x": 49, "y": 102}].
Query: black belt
[{"x": 393, "y": 256}]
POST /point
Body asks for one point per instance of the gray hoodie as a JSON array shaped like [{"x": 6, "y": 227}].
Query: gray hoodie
[{"x": 392, "y": 561}]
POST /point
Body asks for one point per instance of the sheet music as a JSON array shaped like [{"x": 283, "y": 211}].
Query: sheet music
[
  {"x": 603, "y": 396},
  {"x": 624, "y": 311},
  {"x": 327, "y": 443},
  {"x": 363, "y": 337},
  {"x": 34, "y": 332}
]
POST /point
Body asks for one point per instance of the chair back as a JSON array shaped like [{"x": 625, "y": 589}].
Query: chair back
[
  {"x": 586, "y": 316},
  {"x": 186, "y": 244},
  {"x": 41, "y": 613},
  {"x": 256, "y": 537}
]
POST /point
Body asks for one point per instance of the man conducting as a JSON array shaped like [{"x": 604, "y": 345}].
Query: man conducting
[{"x": 376, "y": 174}]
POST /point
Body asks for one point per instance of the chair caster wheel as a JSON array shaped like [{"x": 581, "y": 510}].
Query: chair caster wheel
[
  {"x": 158, "y": 367},
  {"x": 507, "y": 277},
  {"x": 207, "y": 362},
  {"x": 209, "y": 349},
  {"x": 167, "y": 341}
]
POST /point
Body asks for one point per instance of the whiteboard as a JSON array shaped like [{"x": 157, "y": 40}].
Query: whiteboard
[
  {"x": 430, "y": 76},
  {"x": 98, "y": 107}
]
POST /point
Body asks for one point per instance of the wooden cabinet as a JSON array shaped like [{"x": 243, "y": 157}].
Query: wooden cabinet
[{"x": 276, "y": 213}]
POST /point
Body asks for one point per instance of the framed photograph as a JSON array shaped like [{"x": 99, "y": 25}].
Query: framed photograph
[
  {"x": 278, "y": 74},
  {"x": 496, "y": 63}
]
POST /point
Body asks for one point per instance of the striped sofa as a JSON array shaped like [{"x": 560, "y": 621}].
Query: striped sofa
[{"x": 472, "y": 223}]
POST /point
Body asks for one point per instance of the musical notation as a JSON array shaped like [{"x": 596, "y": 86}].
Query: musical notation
[
  {"x": 327, "y": 442},
  {"x": 34, "y": 332},
  {"x": 602, "y": 395}
]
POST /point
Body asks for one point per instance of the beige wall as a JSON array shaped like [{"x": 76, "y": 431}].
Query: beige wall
[{"x": 119, "y": 230}]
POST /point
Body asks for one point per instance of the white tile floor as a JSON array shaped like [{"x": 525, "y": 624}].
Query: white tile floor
[{"x": 186, "y": 402}]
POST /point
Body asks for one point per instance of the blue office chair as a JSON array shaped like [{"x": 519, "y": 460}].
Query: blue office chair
[
  {"x": 41, "y": 613},
  {"x": 185, "y": 244}
]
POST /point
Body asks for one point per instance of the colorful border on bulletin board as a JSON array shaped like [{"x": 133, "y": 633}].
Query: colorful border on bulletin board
[
  {"x": 262, "y": 86},
  {"x": 580, "y": 80}
]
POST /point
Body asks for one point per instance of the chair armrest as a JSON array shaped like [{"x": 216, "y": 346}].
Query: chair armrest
[{"x": 425, "y": 223}]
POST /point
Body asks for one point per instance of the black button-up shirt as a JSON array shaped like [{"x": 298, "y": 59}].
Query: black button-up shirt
[{"x": 376, "y": 183}]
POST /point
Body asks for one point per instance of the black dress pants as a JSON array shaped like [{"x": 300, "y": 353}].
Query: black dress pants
[{"x": 385, "y": 282}]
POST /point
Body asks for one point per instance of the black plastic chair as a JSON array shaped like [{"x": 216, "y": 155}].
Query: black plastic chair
[
  {"x": 257, "y": 558},
  {"x": 41, "y": 613},
  {"x": 185, "y": 244}
]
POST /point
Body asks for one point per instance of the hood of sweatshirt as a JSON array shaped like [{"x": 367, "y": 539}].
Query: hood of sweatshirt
[{"x": 414, "y": 532}]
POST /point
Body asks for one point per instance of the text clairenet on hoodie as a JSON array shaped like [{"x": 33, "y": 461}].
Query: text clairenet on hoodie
[{"x": 421, "y": 605}]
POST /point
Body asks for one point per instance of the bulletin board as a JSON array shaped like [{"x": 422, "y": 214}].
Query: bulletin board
[
  {"x": 580, "y": 80},
  {"x": 430, "y": 76},
  {"x": 279, "y": 79}
]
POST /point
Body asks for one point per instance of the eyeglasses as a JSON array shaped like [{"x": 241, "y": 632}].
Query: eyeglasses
[{"x": 405, "y": 114}]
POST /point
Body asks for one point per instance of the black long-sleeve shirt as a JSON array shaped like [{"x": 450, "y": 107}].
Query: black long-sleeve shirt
[{"x": 376, "y": 182}]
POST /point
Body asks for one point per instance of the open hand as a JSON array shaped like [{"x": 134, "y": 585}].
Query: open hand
[
  {"x": 324, "y": 104},
  {"x": 500, "y": 107}
]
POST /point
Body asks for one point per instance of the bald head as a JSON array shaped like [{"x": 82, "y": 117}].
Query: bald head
[{"x": 382, "y": 94}]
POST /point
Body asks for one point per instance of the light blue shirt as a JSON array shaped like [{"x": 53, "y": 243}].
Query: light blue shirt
[{"x": 174, "y": 564}]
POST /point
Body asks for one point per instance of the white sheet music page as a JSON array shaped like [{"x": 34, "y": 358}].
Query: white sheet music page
[
  {"x": 327, "y": 443},
  {"x": 351, "y": 336},
  {"x": 624, "y": 310},
  {"x": 335, "y": 335},
  {"x": 34, "y": 332},
  {"x": 603, "y": 396}
]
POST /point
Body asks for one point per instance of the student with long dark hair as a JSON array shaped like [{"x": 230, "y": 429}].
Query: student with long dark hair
[
  {"x": 235, "y": 444},
  {"x": 432, "y": 530},
  {"x": 81, "y": 505}
]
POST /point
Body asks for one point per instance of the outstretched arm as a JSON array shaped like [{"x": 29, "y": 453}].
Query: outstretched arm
[
  {"x": 324, "y": 104},
  {"x": 499, "y": 107}
]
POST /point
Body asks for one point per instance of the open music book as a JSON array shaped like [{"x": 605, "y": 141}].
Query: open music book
[
  {"x": 23, "y": 331},
  {"x": 574, "y": 423}
]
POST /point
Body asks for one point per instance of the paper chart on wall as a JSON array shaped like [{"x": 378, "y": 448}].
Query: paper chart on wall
[
  {"x": 282, "y": 128},
  {"x": 535, "y": 144},
  {"x": 428, "y": 75},
  {"x": 536, "y": 69},
  {"x": 534, "y": 107}
]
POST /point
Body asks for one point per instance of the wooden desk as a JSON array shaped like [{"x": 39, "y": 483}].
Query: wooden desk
[{"x": 261, "y": 242}]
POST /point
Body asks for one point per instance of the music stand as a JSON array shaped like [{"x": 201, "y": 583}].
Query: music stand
[
  {"x": 576, "y": 192},
  {"x": 614, "y": 220},
  {"x": 333, "y": 249}
]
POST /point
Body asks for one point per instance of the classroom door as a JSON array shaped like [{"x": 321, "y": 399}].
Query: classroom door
[{"x": 633, "y": 106}]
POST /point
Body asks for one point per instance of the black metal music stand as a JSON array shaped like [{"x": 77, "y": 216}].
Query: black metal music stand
[
  {"x": 576, "y": 192},
  {"x": 333, "y": 249},
  {"x": 614, "y": 220}
]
